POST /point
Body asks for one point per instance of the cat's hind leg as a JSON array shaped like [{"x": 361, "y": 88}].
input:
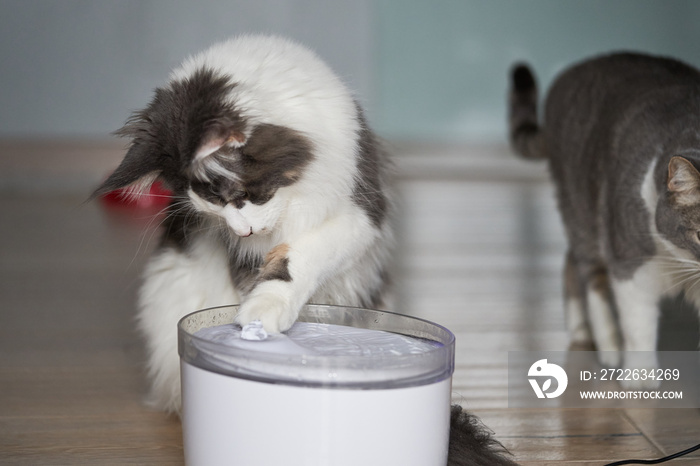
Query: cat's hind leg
[
  {"x": 600, "y": 306},
  {"x": 579, "y": 330}
]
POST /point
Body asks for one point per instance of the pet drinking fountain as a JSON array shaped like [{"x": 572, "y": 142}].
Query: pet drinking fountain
[{"x": 344, "y": 386}]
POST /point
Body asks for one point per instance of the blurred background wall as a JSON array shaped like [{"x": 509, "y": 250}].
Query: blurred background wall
[
  {"x": 77, "y": 68},
  {"x": 427, "y": 70}
]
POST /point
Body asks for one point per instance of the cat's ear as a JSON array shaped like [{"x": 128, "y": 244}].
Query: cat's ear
[
  {"x": 136, "y": 172},
  {"x": 683, "y": 180},
  {"x": 217, "y": 134}
]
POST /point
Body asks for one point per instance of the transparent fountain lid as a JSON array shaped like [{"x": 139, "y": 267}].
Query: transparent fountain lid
[{"x": 329, "y": 346}]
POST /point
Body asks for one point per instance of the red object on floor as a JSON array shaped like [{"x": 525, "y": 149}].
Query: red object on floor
[{"x": 158, "y": 196}]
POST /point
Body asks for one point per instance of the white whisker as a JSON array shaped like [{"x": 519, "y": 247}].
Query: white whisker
[
  {"x": 695, "y": 284},
  {"x": 151, "y": 230}
]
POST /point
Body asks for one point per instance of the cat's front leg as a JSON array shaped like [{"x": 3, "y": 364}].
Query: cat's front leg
[
  {"x": 293, "y": 271},
  {"x": 638, "y": 308},
  {"x": 273, "y": 300},
  {"x": 580, "y": 334}
]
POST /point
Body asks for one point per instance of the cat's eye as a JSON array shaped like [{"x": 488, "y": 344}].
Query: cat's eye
[{"x": 697, "y": 236}]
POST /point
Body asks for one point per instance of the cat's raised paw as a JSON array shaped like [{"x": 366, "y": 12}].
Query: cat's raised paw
[
  {"x": 270, "y": 305},
  {"x": 253, "y": 331}
]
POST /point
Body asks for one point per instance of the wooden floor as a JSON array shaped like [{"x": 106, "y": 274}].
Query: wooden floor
[{"x": 481, "y": 253}]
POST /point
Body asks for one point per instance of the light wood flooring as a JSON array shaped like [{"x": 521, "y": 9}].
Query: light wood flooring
[{"x": 481, "y": 250}]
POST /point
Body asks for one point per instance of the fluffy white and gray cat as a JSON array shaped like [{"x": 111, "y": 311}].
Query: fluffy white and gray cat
[
  {"x": 280, "y": 194},
  {"x": 622, "y": 136},
  {"x": 280, "y": 197}
]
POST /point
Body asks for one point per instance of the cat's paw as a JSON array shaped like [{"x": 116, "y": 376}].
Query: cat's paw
[
  {"x": 640, "y": 384},
  {"x": 271, "y": 304},
  {"x": 638, "y": 364},
  {"x": 581, "y": 338},
  {"x": 610, "y": 359}
]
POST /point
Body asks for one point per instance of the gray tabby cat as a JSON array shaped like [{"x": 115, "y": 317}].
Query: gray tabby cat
[{"x": 622, "y": 136}]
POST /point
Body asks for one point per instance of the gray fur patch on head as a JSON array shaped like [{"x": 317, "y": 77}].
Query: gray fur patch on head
[
  {"x": 167, "y": 134},
  {"x": 211, "y": 167},
  {"x": 272, "y": 158}
]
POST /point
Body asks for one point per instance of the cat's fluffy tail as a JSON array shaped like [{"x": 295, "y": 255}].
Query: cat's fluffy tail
[
  {"x": 472, "y": 444},
  {"x": 525, "y": 132}
]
